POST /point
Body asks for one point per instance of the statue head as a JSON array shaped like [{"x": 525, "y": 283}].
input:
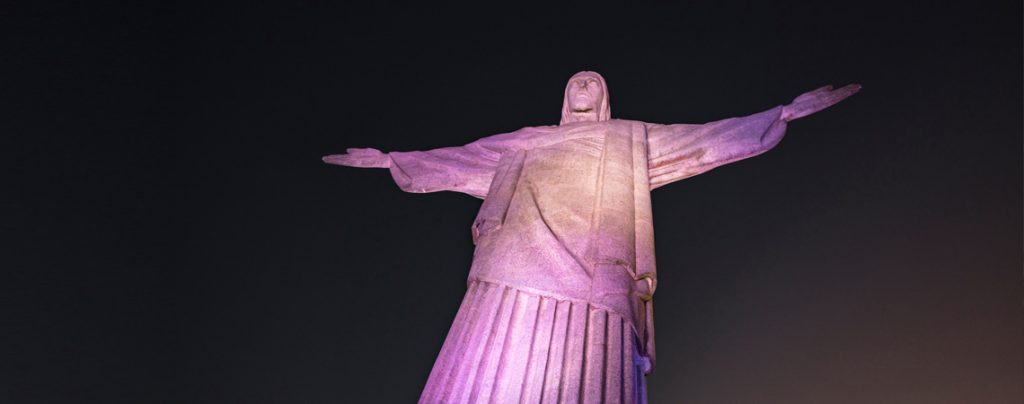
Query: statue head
[{"x": 586, "y": 99}]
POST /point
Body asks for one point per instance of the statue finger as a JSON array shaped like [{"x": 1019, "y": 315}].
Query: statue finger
[
  {"x": 832, "y": 98},
  {"x": 822, "y": 89},
  {"x": 370, "y": 162},
  {"x": 813, "y": 94},
  {"x": 362, "y": 151},
  {"x": 841, "y": 94},
  {"x": 810, "y": 106},
  {"x": 847, "y": 90},
  {"x": 334, "y": 159}
]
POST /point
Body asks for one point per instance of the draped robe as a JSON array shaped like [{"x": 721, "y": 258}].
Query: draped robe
[{"x": 566, "y": 224}]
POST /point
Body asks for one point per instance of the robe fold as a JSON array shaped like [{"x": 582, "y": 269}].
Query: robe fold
[{"x": 559, "y": 302}]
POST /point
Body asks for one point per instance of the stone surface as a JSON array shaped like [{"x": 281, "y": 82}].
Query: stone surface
[{"x": 559, "y": 300}]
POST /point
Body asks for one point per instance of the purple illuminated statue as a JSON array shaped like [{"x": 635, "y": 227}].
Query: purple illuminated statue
[{"x": 558, "y": 306}]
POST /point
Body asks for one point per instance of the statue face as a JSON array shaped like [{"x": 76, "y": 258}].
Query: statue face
[{"x": 585, "y": 95}]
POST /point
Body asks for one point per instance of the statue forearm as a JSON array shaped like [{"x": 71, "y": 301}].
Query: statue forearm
[{"x": 681, "y": 151}]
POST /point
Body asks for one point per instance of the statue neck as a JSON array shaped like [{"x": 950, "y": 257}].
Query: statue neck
[{"x": 590, "y": 116}]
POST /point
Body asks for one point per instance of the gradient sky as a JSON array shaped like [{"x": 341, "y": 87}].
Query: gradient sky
[{"x": 172, "y": 235}]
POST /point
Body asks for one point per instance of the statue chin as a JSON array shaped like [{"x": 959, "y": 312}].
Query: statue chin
[{"x": 586, "y": 115}]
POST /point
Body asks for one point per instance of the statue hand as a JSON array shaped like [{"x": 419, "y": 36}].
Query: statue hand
[
  {"x": 817, "y": 100},
  {"x": 365, "y": 158}
]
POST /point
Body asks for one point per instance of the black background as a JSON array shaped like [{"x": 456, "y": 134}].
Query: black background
[{"x": 170, "y": 234}]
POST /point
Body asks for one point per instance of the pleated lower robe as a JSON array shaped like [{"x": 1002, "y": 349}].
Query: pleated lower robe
[{"x": 511, "y": 346}]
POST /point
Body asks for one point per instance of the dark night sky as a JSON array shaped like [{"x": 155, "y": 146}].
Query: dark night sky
[{"x": 170, "y": 234}]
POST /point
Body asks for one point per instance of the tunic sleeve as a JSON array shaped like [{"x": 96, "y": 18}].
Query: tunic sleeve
[
  {"x": 467, "y": 169},
  {"x": 680, "y": 151}
]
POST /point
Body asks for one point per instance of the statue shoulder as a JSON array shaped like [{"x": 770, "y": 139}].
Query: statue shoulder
[
  {"x": 539, "y": 129},
  {"x": 534, "y": 131},
  {"x": 629, "y": 122},
  {"x": 522, "y": 138}
]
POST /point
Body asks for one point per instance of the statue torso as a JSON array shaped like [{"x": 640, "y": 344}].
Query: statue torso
[{"x": 544, "y": 211}]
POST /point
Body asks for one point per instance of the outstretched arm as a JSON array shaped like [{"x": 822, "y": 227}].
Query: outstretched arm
[
  {"x": 680, "y": 151},
  {"x": 467, "y": 169}
]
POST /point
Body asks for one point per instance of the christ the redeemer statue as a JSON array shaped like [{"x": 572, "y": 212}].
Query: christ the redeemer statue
[{"x": 558, "y": 307}]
